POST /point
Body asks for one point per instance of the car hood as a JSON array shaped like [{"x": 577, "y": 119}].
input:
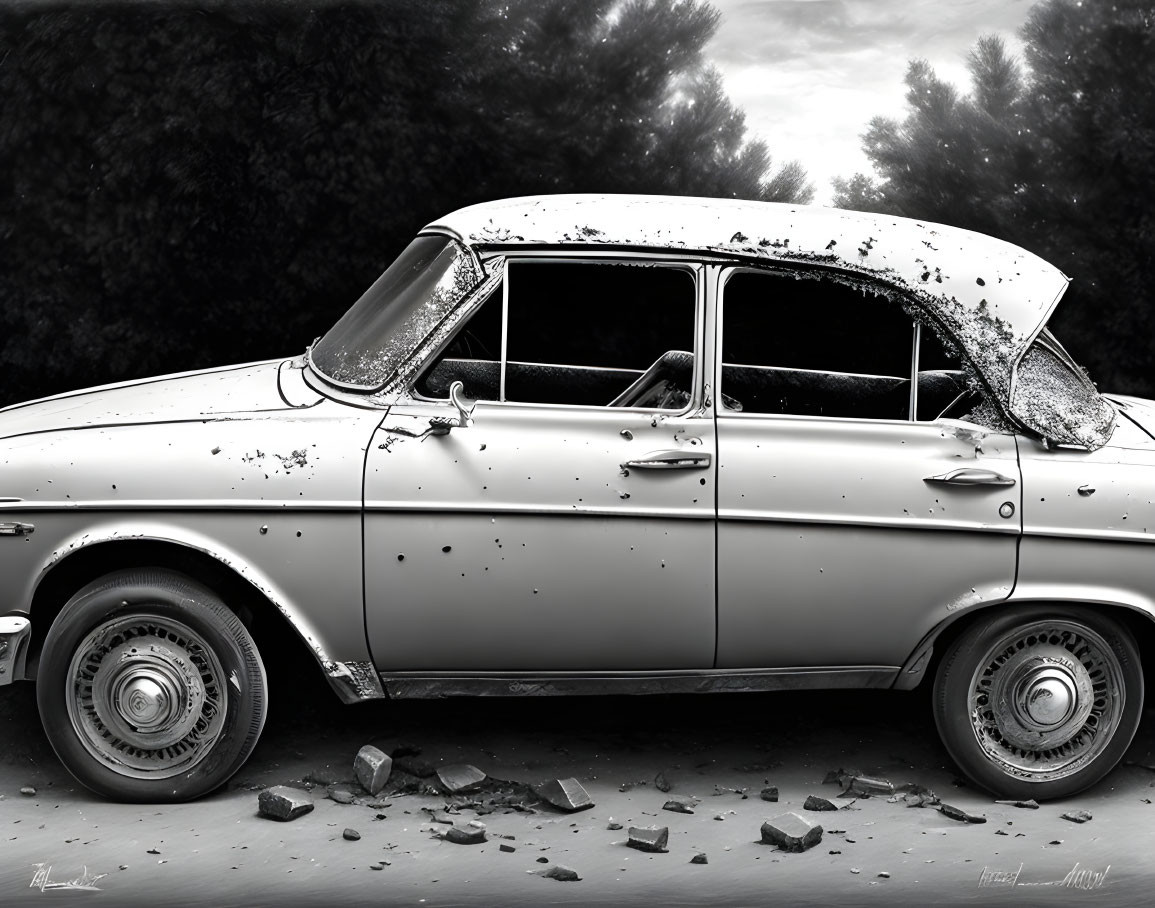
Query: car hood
[{"x": 190, "y": 396}]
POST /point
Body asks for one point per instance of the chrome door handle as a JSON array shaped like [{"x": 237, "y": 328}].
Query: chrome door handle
[
  {"x": 970, "y": 476},
  {"x": 670, "y": 460}
]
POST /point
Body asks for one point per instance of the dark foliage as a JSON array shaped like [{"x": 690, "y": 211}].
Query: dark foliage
[
  {"x": 186, "y": 186},
  {"x": 1055, "y": 154}
]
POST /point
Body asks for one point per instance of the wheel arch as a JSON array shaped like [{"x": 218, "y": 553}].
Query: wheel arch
[
  {"x": 272, "y": 621},
  {"x": 924, "y": 661}
]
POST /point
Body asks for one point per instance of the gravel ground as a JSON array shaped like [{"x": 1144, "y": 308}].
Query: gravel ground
[{"x": 719, "y": 749}]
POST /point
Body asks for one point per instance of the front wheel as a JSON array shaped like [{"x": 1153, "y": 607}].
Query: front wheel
[
  {"x": 150, "y": 688},
  {"x": 1039, "y": 702}
]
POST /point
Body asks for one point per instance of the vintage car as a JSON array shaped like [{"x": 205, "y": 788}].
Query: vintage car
[{"x": 601, "y": 444}]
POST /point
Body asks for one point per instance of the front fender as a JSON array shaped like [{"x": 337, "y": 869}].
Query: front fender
[{"x": 313, "y": 552}]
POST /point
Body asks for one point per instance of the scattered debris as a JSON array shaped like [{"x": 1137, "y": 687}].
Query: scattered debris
[
  {"x": 282, "y": 802},
  {"x": 725, "y": 789},
  {"x": 791, "y": 832},
  {"x": 1030, "y": 805},
  {"x": 351, "y": 835},
  {"x": 561, "y": 874},
  {"x": 813, "y": 802},
  {"x": 613, "y": 824},
  {"x": 439, "y": 816},
  {"x": 372, "y": 768},
  {"x": 28, "y": 791},
  {"x": 460, "y": 777},
  {"x": 565, "y": 794},
  {"x": 508, "y": 849},
  {"x": 838, "y": 777},
  {"x": 699, "y": 858},
  {"x": 380, "y": 865},
  {"x": 324, "y": 776},
  {"x": 884, "y": 875},
  {"x": 866, "y": 786},
  {"x": 413, "y": 765},
  {"x": 681, "y": 804},
  {"x": 770, "y": 794},
  {"x": 340, "y": 793},
  {"x": 662, "y": 783},
  {"x": 464, "y": 835},
  {"x": 914, "y": 795},
  {"x": 649, "y": 838},
  {"x": 543, "y": 860},
  {"x": 1077, "y": 816},
  {"x": 955, "y": 813}
]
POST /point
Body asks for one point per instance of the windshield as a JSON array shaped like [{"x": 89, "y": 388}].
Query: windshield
[{"x": 371, "y": 341}]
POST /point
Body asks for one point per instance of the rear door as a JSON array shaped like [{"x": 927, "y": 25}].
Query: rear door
[{"x": 847, "y": 528}]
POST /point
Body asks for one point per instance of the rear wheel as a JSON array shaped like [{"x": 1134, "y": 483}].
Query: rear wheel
[
  {"x": 150, "y": 688},
  {"x": 1040, "y": 702}
]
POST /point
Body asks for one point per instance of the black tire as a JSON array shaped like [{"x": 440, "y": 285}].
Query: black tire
[
  {"x": 1039, "y": 702},
  {"x": 150, "y": 689}
]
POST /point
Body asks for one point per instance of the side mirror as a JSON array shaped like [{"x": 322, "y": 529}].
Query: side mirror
[{"x": 464, "y": 413}]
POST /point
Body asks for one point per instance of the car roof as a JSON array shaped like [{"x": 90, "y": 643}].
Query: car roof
[
  {"x": 990, "y": 298},
  {"x": 950, "y": 271}
]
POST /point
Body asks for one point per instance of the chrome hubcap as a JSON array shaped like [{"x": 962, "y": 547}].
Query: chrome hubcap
[
  {"x": 1045, "y": 699},
  {"x": 147, "y": 696},
  {"x": 145, "y": 702}
]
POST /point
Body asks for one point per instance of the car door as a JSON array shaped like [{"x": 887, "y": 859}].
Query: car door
[
  {"x": 570, "y": 526},
  {"x": 847, "y": 529}
]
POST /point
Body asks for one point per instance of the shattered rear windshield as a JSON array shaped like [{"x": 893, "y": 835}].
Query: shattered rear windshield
[
  {"x": 1055, "y": 398},
  {"x": 416, "y": 293}
]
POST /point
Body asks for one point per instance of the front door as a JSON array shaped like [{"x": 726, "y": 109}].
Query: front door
[{"x": 570, "y": 527}]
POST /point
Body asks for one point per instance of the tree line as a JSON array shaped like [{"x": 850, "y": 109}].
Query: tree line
[
  {"x": 1054, "y": 152},
  {"x": 191, "y": 185}
]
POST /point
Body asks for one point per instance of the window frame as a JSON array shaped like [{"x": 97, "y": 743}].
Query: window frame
[
  {"x": 695, "y": 268},
  {"x": 815, "y": 274}
]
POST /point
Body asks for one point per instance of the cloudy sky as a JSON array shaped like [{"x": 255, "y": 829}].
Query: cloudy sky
[{"x": 811, "y": 73}]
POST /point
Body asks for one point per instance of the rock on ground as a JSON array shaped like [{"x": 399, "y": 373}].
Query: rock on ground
[
  {"x": 791, "y": 832},
  {"x": 372, "y": 767},
  {"x": 955, "y": 813},
  {"x": 813, "y": 802},
  {"x": 562, "y": 874},
  {"x": 565, "y": 794},
  {"x": 864, "y": 785},
  {"x": 464, "y": 835},
  {"x": 681, "y": 804},
  {"x": 282, "y": 802},
  {"x": 460, "y": 777},
  {"x": 649, "y": 838}
]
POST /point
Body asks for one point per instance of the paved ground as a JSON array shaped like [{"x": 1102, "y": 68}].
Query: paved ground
[{"x": 219, "y": 852}]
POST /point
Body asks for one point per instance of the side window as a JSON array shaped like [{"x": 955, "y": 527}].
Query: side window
[
  {"x": 578, "y": 333},
  {"x": 813, "y": 347}
]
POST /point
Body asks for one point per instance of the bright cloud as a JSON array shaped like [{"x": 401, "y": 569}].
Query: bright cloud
[{"x": 810, "y": 74}]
